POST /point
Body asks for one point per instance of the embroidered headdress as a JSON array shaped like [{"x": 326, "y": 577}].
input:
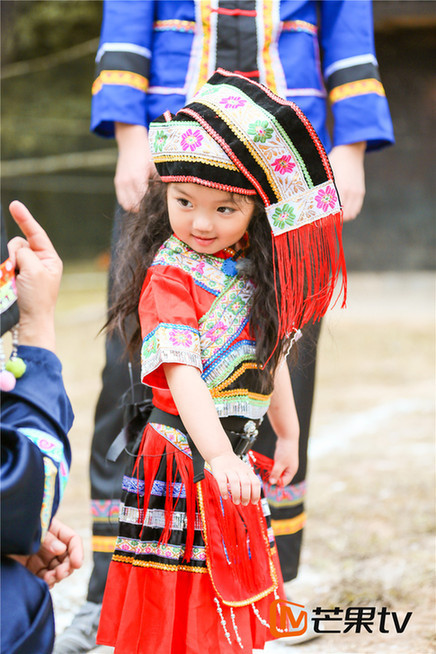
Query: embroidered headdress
[{"x": 238, "y": 136}]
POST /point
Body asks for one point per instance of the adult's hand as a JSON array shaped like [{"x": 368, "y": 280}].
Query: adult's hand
[
  {"x": 38, "y": 276},
  {"x": 347, "y": 162},
  {"x": 134, "y": 166},
  {"x": 59, "y": 555}
]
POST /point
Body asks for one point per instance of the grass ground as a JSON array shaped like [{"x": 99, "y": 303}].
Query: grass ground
[{"x": 369, "y": 538}]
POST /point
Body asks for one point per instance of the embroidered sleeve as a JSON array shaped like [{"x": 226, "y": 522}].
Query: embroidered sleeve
[
  {"x": 169, "y": 327},
  {"x": 56, "y": 471}
]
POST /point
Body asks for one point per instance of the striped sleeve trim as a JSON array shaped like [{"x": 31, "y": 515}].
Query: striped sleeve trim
[
  {"x": 352, "y": 74},
  {"x": 350, "y": 62},
  {"x": 299, "y": 26},
  {"x": 354, "y": 89},
  {"x": 288, "y": 525},
  {"x": 104, "y": 544},
  {"x": 128, "y": 61},
  {"x": 120, "y": 78},
  {"x": 174, "y": 25},
  {"x": 122, "y": 47}
]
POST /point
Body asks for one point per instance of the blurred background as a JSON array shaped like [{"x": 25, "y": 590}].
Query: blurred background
[
  {"x": 369, "y": 539},
  {"x": 64, "y": 174}
]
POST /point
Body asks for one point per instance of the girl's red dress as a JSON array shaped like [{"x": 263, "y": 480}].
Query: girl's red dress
[{"x": 191, "y": 573}]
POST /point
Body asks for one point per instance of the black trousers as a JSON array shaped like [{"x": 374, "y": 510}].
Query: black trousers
[{"x": 287, "y": 505}]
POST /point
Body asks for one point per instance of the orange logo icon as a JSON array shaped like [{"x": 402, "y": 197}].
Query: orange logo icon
[{"x": 287, "y": 618}]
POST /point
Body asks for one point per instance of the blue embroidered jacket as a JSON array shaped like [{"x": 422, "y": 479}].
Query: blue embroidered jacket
[
  {"x": 35, "y": 460},
  {"x": 154, "y": 55}
]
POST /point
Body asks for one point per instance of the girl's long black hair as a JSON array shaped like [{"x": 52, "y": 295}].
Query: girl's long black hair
[{"x": 142, "y": 235}]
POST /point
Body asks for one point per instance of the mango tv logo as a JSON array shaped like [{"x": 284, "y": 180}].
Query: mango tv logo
[{"x": 287, "y": 618}]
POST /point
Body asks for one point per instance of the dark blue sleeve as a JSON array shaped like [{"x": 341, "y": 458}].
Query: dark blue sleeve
[
  {"x": 35, "y": 451},
  {"x": 27, "y": 624}
]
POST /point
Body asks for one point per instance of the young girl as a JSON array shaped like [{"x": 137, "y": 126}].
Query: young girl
[{"x": 239, "y": 245}]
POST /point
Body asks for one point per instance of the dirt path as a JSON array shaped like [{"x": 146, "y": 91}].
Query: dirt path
[{"x": 369, "y": 538}]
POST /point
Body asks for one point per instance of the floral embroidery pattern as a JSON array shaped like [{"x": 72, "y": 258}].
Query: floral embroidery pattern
[
  {"x": 216, "y": 331},
  {"x": 283, "y": 164},
  {"x": 233, "y": 102},
  {"x": 283, "y": 216},
  {"x": 215, "y": 349},
  {"x": 199, "y": 268},
  {"x": 260, "y": 131},
  {"x": 53, "y": 448},
  {"x": 153, "y": 548},
  {"x": 203, "y": 268},
  {"x": 170, "y": 343},
  {"x": 179, "y": 440},
  {"x": 289, "y": 495},
  {"x": 183, "y": 339},
  {"x": 159, "y": 141},
  {"x": 326, "y": 198},
  {"x": 236, "y": 307},
  {"x": 149, "y": 346},
  {"x": 191, "y": 140}
]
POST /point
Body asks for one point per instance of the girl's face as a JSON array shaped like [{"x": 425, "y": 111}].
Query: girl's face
[{"x": 207, "y": 219}]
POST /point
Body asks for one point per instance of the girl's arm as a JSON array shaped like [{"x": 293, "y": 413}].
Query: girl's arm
[
  {"x": 198, "y": 413},
  {"x": 284, "y": 420}
]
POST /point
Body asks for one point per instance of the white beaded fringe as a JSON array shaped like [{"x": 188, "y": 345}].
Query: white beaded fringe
[{"x": 222, "y": 619}]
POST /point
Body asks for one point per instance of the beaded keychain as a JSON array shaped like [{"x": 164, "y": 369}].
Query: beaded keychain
[{"x": 12, "y": 369}]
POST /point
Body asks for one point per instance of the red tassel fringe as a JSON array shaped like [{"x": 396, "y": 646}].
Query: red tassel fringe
[
  {"x": 242, "y": 533},
  {"x": 153, "y": 447},
  {"x": 308, "y": 262},
  {"x": 236, "y": 534}
]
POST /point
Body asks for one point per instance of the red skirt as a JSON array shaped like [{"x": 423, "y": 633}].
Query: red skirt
[{"x": 190, "y": 572}]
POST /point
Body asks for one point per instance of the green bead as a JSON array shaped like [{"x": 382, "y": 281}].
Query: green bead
[{"x": 16, "y": 366}]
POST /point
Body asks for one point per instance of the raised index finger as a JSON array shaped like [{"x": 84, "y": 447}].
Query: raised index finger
[{"x": 32, "y": 230}]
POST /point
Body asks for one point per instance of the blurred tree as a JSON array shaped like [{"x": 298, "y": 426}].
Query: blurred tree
[{"x": 34, "y": 28}]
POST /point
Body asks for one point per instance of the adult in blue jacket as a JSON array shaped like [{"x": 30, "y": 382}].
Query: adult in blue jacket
[
  {"x": 35, "y": 455},
  {"x": 153, "y": 56}
]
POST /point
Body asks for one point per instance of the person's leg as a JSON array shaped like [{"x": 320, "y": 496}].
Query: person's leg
[{"x": 287, "y": 504}]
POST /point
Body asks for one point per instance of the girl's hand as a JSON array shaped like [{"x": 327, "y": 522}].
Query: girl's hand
[
  {"x": 235, "y": 479},
  {"x": 285, "y": 462}
]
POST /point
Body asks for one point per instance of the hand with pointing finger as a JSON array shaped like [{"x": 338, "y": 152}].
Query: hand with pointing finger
[{"x": 38, "y": 276}]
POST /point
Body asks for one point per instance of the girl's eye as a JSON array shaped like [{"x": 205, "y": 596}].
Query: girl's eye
[
  {"x": 184, "y": 202},
  {"x": 226, "y": 210}
]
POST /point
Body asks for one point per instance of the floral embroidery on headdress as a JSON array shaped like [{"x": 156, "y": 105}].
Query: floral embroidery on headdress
[
  {"x": 260, "y": 131},
  {"x": 283, "y": 164},
  {"x": 276, "y": 154},
  {"x": 191, "y": 140},
  {"x": 233, "y": 102},
  {"x": 159, "y": 141},
  {"x": 283, "y": 216},
  {"x": 326, "y": 198}
]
